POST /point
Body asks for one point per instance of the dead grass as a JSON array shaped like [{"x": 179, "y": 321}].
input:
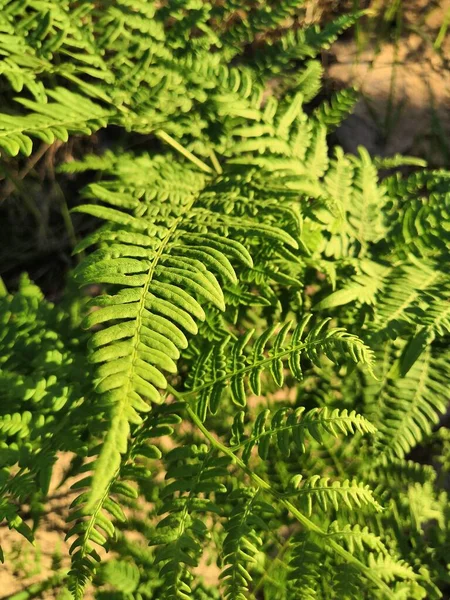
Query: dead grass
[{"x": 404, "y": 80}]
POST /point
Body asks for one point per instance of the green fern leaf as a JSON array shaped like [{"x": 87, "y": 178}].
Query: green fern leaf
[{"x": 230, "y": 364}]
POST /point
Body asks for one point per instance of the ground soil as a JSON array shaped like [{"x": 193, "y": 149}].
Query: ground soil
[
  {"x": 26, "y": 564},
  {"x": 405, "y": 86}
]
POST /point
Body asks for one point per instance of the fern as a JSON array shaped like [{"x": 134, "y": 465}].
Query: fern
[
  {"x": 241, "y": 543},
  {"x": 357, "y": 537},
  {"x": 306, "y": 563},
  {"x": 332, "y": 113},
  {"x": 290, "y": 428},
  {"x": 156, "y": 303},
  {"x": 94, "y": 519},
  {"x": 263, "y": 352},
  {"x": 68, "y": 114},
  {"x": 123, "y": 576},
  {"x": 181, "y": 534},
  {"x": 301, "y": 43},
  {"x": 411, "y": 404},
  {"x": 216, "y": 371}
]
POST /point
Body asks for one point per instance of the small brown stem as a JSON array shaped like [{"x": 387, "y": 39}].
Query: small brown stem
[{"x": 13, "y": 181}]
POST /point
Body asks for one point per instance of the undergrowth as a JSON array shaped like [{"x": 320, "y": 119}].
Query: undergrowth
[{"x": 269, "y": 349}]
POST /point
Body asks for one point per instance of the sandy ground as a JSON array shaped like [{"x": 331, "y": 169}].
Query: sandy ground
[
  {"x": 405, "y": 105},
  {"x": 26, "y": 564}
]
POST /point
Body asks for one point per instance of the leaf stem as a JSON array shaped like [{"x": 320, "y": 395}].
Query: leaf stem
[
  {"x": 215, "y": 162},
  {"x": 169, "y": 140}
]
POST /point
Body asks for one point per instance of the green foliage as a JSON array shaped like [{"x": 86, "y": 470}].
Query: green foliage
[{"x": 267, "y": 349}]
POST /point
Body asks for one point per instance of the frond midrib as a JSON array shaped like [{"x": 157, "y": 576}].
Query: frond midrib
[
  {"x": 301, "y": 425},
  {"x": 144, "y": 292},
  {"x": 261, "y": 363}
]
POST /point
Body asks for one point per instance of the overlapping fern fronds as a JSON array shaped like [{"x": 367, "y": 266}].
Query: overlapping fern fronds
[
  {"x": 122, "y": 64},
  {"x": 269, "y": 342},
  {"x": 177, "y": 254},
  {"x": 41, "y": 379}
]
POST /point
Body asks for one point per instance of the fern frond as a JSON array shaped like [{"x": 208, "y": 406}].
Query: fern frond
[
  {"x": 272, "y": 129},
  {"x": 332, "y": 113},
  {"x": 40, "y": 376},
  {"x": 425, "y": 506},
  {"x": 228, "y": 365},
  {"x": 288, "y": 428},
  {"x": 398, "y": 160},
  {"x": 338, "y": 182},
  {"x": 401, "y": 472},
  {"x": 368, "y": 200},
  {"x": 216, "y": 245},
  {"x": 309, "y": 81},
  {"x": 93, "y": 527},
  {"x": 94, "y": 521},
  {"x": 9, "y": 513},
  {"x": 405, "y": 295},
  {"x": 180, "y": 535},
  {"x": 357, "y": 538},
  {"x": 261, "y": 19},
  {"x": 408, "y": 407},
  {"x": 298, "y": 44},
  {"x": 317, "y": 156},
  {"x": 69, "y": 114},
  {"x": 389, "y": 569},
  {"x": 242, "y": 542},
  {"x": 306, "y": 564},
  {"x": 420, "y": 212},
  {"x": 325, "y": 493},
  {"x": 164, "y": 265},
  {"x": 362, "y": 288},
  {"x": 121, "y": 575}
]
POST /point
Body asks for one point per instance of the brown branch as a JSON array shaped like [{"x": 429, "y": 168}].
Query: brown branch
[{"x": 13, "y": 181}]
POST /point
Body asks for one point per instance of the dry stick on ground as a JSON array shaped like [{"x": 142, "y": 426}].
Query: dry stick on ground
[{"x": 13, "y": 182}]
